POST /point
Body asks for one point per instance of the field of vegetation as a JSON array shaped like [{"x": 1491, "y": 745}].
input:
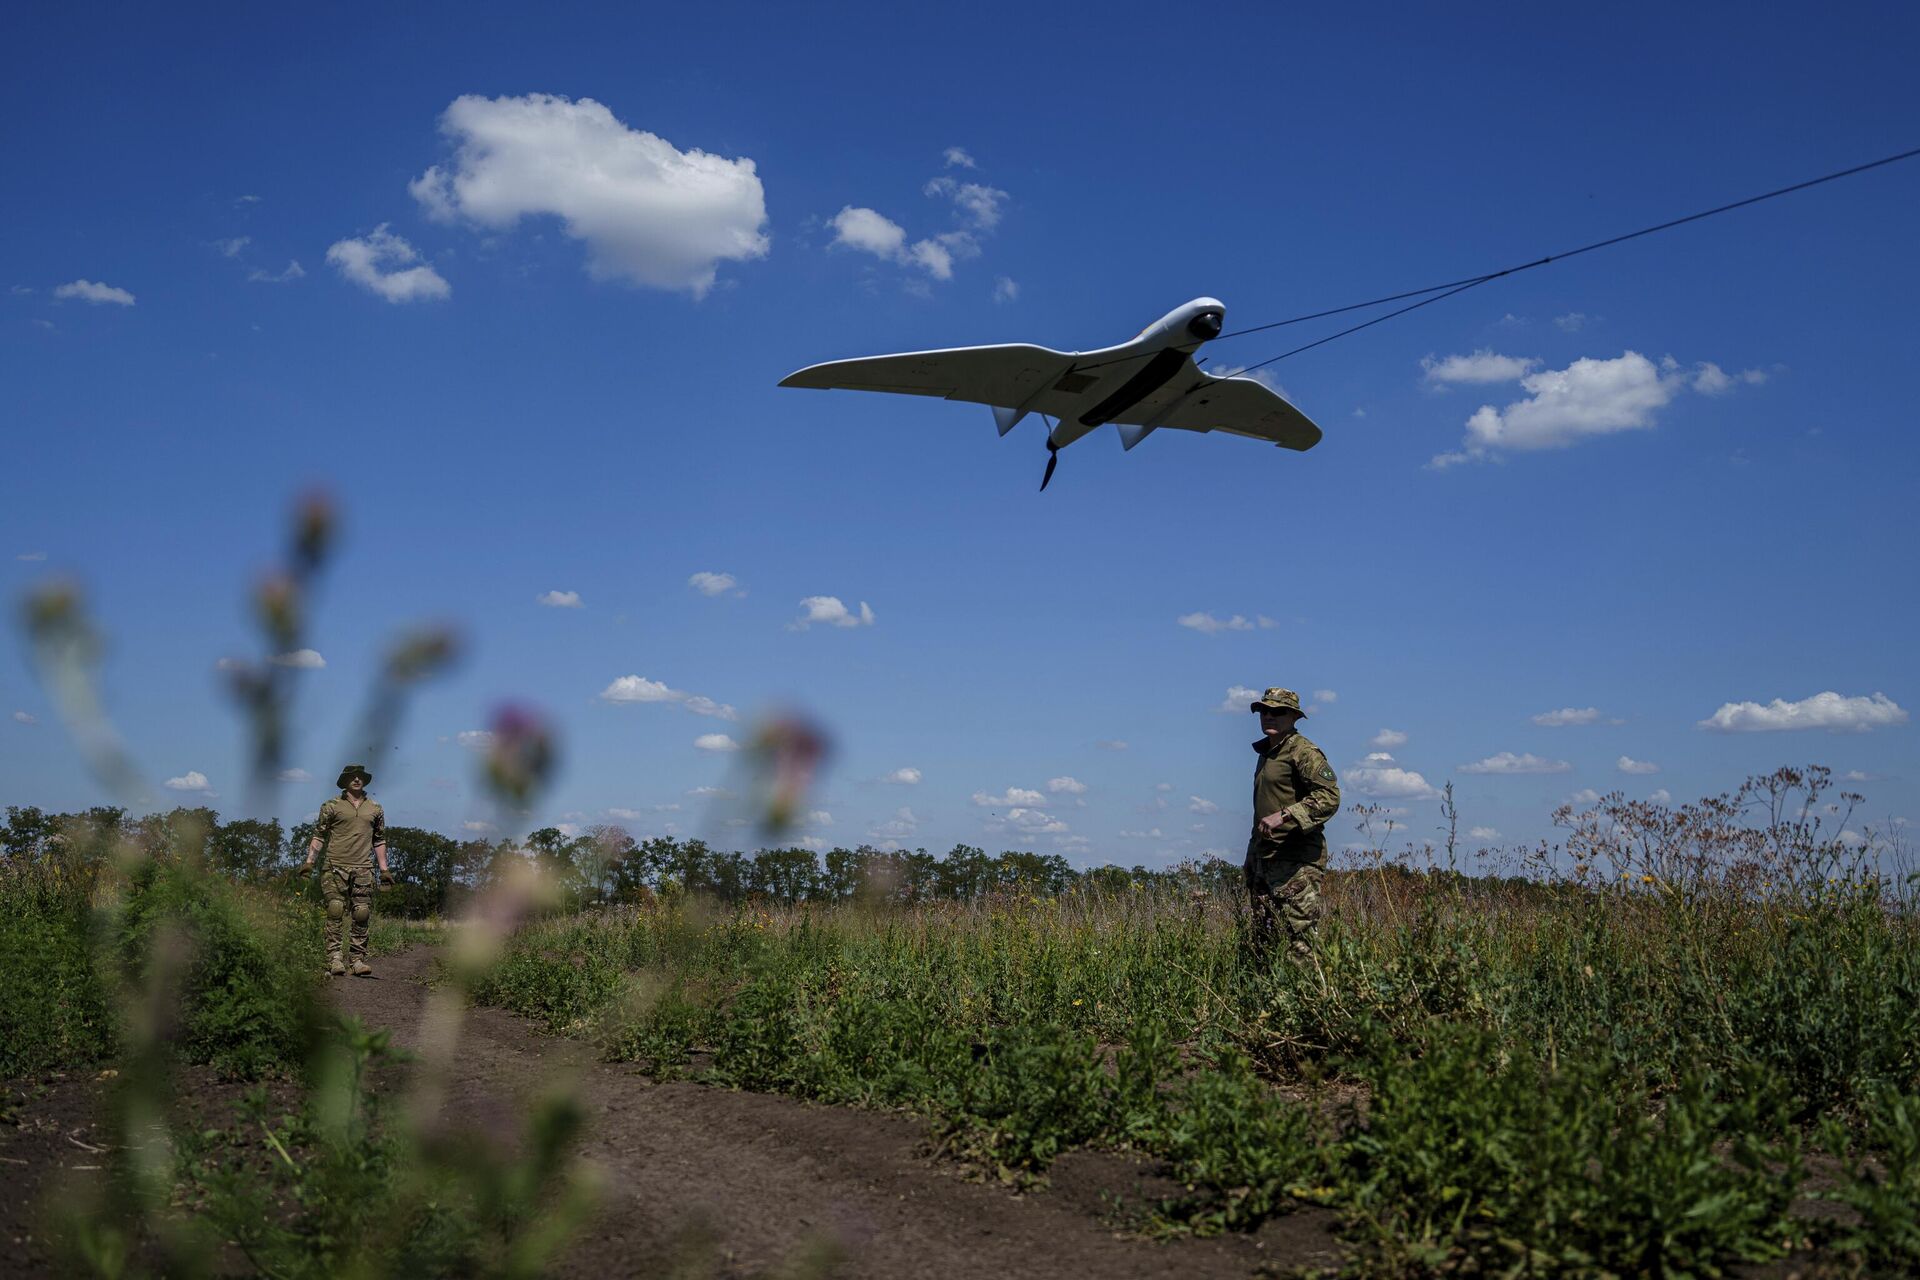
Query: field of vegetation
[{"x": 1679, "y": 1041}]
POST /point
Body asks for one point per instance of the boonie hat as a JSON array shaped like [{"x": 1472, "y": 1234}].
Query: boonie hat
[
  {"x": 348, "y": 772},
  {"x": 1277, "y": 699}
]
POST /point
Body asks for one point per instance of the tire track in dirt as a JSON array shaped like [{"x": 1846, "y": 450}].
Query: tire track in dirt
[{"x": 764, "y": 1180}]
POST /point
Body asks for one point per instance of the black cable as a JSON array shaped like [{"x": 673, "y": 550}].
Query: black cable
[{"x": 1461, "y": 286}]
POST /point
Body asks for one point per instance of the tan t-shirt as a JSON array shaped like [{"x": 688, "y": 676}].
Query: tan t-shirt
[{"x": 350, "y": 831}]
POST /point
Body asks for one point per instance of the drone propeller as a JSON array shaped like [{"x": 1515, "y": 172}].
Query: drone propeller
[{"x": 1053, "y": 456}]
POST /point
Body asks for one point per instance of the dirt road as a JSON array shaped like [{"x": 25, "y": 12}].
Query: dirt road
[{"x": 769, "y": 1181}]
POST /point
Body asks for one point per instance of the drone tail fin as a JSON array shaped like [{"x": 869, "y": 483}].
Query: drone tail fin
[
  {"x": 1131, "y": 436},
  {"x": 1006, "y": 418}
]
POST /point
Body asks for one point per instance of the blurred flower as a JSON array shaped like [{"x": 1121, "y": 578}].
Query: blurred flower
[
  {"x": 421, "y": 654},
  {"x": 521, "y": 756},
  {"x": 313, "y": 525},
  {"x": 785, "y": 753}
]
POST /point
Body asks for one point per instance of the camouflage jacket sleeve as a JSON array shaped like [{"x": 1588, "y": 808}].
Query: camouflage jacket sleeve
[
  {"x": 379, "y": 827},
  {"x": 1318, "y": 790},
  {"x": 323, "y": 822}
]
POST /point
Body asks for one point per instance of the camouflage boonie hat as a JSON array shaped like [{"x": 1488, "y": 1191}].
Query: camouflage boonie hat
[
  {"x": 1278, "y": 699},
  {"x": 366, "y": 778}
]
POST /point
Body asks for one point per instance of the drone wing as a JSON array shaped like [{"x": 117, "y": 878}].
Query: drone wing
[
  {"x": 1015, "y": 375},
  {"x": 1243, "y": 407}
]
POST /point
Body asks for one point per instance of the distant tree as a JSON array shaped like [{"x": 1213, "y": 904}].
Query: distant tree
[
  {"x": 423, "y": 863},
  {"x": 784, "y": 875},
  {"x": 178, "y": 833},
  {"x": 247, "y": 849},
  {"x": 29, "y": 834},
  {"x": 966, "y": 873}
]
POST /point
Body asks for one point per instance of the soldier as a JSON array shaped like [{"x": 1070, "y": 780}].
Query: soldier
[
  {"x": 1294, "y": 794},
  {"x": 353, "y": 828}
]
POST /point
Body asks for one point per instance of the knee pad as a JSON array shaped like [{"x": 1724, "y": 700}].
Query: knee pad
[
  {"x": 335, "y": 908},
  {"x": 362, "y": 913}
]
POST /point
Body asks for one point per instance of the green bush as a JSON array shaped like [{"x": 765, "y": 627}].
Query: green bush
[{"x": 53, "y": 1008}]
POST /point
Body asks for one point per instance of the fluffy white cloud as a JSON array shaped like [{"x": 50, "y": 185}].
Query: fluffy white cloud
[
  {"x": 1587, "y": 399},
  {"x": 1066, "y": 786},
  {"x": 1483, "y": 833},
  {"x": 476, "y": 826},
  {"x": 870, "y": 231},
  {"x": 287, "y": 275},
  {"x": 1152, "y": 833},
  {"x": 1388, "y": 738},
  {"x": 1568, "y": 716},
  {"x": 1005, "y": 289},
  {"x": 1028, "y": 822},
  {"x": 231, "y": 248},
  {"x": 647, "y": 212},
  {"x": 1326, "y": 696},
  {"x": 715, "y": 742},
  {"x": 95, "y": 292},
  {"x": 901, "y": 825},
  {"x": 1382, "y": 781},
  {"x": 1507, "y": 762},
  {"x": 474, "y": 739},
  {"x": 25, "y": 717},
  {"x": 1627, "y": 764},
  {"x": 977, "y": 203},
  {"x": 829, "y": 612},
  {"x": 1199, "y": 804},
  {"x": 1481, "y": 366},
  {"x": 192, "y": 780},
  {"x": 641, "y": 689},
  {"x": 31, "y": 557},
  {"x": 378, "y": 263},
  {"x": 303, "y": 659},
  {"x": 957, "y": 158},
  {"x": 1572, "y": 322},
  {"x": 713, "y": 584},
  {"x": 907, "y": 776},
  {"x": 1586, "y": 795},
  {"x": 1238, "y": 698},
  {"x": 1822, "y": 711},
  {"x": 1014, "y": 797},
  {"x": 1662, "y": 796},
  {"x": 1207, "y": 624},
  {"x": 294, "y": 775},
  {"x": 559, "y": 599}
]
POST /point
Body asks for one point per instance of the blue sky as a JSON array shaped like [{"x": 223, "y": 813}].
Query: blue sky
[{"x": 532, "y": 342}]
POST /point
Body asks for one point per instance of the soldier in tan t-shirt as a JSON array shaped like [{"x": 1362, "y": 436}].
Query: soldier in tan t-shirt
[
  {"x": 352, "y": 827},
  {"x": 1294, "y": 796}
]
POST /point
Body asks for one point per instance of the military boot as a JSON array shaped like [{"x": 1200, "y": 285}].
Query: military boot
[
  {"x": 335, "y": 968},
  {"x": 361, "y": 969}
]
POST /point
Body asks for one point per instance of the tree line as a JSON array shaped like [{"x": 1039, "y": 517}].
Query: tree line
[{"x": 433, "y": 873}]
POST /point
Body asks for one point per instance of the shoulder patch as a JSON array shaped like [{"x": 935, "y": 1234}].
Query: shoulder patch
[{"x": 1326, "y": 773}]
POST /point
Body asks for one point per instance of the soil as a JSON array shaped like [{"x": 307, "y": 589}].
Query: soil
[{"x": 709, "y": 1182}]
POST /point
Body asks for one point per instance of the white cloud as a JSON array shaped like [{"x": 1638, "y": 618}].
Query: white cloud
[
  {"x": 1111, "y": 744},
  {"x": 1028, "y": 822},
  {"x": 1152, "y": 833},
  {"x": 303, "y": 659},
  {"x": 817, "y": 818},
  {"x": 1378, "y": 757},
  {"x": 294, "y": 775},
  {"x": 641, "y": 689},
  {"x": 559, "y": 599},
  {"x": 977, "y": 203},
  {"x": 476, "y": 826},
  {"x": 1238, "y": 698},
  {"x": 627, "y": 815},
  {"x": 291, "y": 272},
  {"x": 713, "y": 584},
  {"x": 1568, "y": 716},
  {"x": 1587, "y": 399},
  {"x": 815, "y": 843},
  {"x": 192, "y": 780},
  {"x": 1387, "y": 782},
  {"x": 25, "y": 717},
  {"x": 715, "y": 742},
  {"x": 647, "y": 212},
  {"x": 1586, "y": 795},
  {"x": 474, "y": 739},
  {"x": 231, "y": 248},
  {"x": 1266, "y": 623},
  {"x": 828, "y": 611},
  {"x": 1388, "y": 738},
  {"x": 1507, "y": 762},
  {"x": 1851, "y": 775},
  {"x": 1066, "y": 786},
  {"x": 1207, "y": 624},
  {"x": 1822, "y": 711},
  {"x": 1662, "y": 796},
  {"x": 1572, "y": 322},
  {"x": 901, "y": 825},
  {"x": 94, "y": 292},
  {"x": 1199, "y": 804},
  {"x": 1481, "y": 366},
  {"x": 873, "y": 232},
  {"x": 31, "y": 557},
  {"x": 957, "y": 158},
  {"x": 1005, "y": 289},
  {"x": 907, "y": 776},
  {"x": 1627, "y": 764},
  {"x": 1327, "y": 696},
  {"x": 1483, "y": 833},
  {"x": 1710, "y": 379},
  {"x": 378, "y": 263},
  {"x": 1015, "y": 797}
]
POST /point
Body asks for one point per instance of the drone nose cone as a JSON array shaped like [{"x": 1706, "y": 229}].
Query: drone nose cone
[{"x": 1207, "y": 325}]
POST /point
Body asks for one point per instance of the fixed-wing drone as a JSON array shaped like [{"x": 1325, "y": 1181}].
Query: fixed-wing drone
[{"x": 1139, "y": 386}]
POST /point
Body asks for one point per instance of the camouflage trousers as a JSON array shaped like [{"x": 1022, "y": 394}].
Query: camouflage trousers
[
  {"x": 1284, "y": 896},
  {"x": 349, "y": 896}
]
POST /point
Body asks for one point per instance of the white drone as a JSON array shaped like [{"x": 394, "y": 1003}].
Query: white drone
[{"x": 1139, "y": 386}]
